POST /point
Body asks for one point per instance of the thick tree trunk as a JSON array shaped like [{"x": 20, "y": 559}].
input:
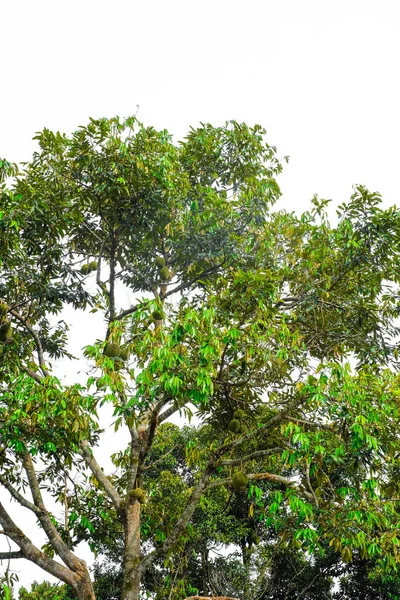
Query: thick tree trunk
[
  {"x": 211, "y": 598},
  {"x": 84, "y": 589},
  {"x": 131, "y": 567}
]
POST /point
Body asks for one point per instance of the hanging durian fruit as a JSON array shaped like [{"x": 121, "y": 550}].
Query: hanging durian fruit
[
  {"x": 116, "y": 351},
  {"x": 164, "y": 273},
  {"x": 112, "y": 350},
  {"x": 160, "y": 262},
  {"x": 89, "y": 267},
  {"x": 5, "y": 331},
  {"x": 239, "y": 481},
  {"x": 255, "y": 538},
  {"x": 138, "y": 494},
  {"x": 234, "y": 425},
  {"x": 238, "y": 414},
  {"x": 157, "y": 315},
  {"x": 3, "y": 310}
]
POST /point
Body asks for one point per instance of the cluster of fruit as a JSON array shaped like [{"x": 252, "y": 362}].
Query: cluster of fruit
[
  {"x": 89, "y": 267},
  {"x": 235, "y": 424},
  {"x": 163, "y": 271}
]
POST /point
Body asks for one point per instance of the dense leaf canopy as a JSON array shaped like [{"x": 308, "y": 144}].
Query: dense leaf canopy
[{"x": 278, "y": 330}]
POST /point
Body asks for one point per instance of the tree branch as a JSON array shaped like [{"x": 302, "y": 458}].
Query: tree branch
[
  {"x": 111, "y": 294},
  {"x": 264, "y": 477},
  {"x": 32, "y": 373},
  {"x": 183, "y": 519},
  {"x": 98, "y": 472},
  {"x": 68, "y": 557},
  {"x": 256, "y": 477},
  {"x": 325, "y": 426},
  {"x": 11, "y": 555},
  {"x": 36, "y": 338},
  {"x": 163, "y": 296},
  {"x": 19, "y": 497},
  {"x": 201, "y": 487},
  {"x": 252, "y": 456},
  {"x": 30, "y": 552},
  {"x": 167, "y": 413}
]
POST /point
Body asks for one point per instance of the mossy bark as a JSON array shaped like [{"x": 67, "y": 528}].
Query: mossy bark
[
  {"x": 131, "y": 567},
  {"x": 84, "y": 590}
]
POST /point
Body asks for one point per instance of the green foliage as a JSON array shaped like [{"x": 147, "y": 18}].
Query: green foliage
[
  {"x": 46, "y": 591},
  {"x": 290, "y": 317}
]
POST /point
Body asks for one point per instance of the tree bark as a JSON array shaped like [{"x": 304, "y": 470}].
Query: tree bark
[
  {"x": 84, "y": 588},
  {"x": 131, "y": 567},
  {"x": 211, "y": 598}
]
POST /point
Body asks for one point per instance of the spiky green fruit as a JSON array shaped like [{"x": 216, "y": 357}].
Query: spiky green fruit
[
  {"x": 112, "y": 350},
  {"x": 92, "y": 266},
  {"x": 234, "y": 426},
  {"x": 3, "y": 309},
  {"x": 5, "y": 331},
  {"x": 239, "y": 481},
  {"x": 255, "y": 538},
  {"x": 85, "y": 269},
  {"x": 160, "y": 262},
  {"x": 242, "y": 429},
  {"x": 157, "y": 315},
  {"x": 138, "y": 494},
  {"x": 238, "y": 414},
  {"x": 164, "y": 273}
]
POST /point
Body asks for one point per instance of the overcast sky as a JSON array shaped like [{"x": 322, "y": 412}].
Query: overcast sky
[{"x": 321, "y": 76}]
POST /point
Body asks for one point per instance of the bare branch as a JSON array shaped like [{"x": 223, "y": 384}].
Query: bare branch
[
  {"x": 32, "y": 553},
  {"x": 252, "y": 456},
  {"x": 36, "y": 338},
  {"x": 98, "y": 472},
  {"x": 310, "y": 488},
  {"x": 32, "y": 373},
  {"x": 313, "y": 424},
  {"x": 163, "y": 296},
  {"x": 111, "y": 295},
  {"x": 183, "y": 519},
  {"x": 19, "y": 497},
  {"x": 168, "y": 413},
  {"x": 11, "y": 555},
  {"x": 68, "y": 557},
  {"x": 256, "y": 477}
]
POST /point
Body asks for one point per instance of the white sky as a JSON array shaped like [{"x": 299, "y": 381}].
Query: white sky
[{"x": 321, "y": 76}]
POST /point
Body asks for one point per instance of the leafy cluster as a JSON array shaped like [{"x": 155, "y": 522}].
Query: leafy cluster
[{"x": 279, "y": 331}]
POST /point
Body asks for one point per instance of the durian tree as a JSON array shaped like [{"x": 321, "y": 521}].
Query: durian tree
[{"x": 278, "y": 330}]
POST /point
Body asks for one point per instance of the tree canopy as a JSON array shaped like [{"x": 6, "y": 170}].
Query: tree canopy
[{"x": 277, "y": 330}]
